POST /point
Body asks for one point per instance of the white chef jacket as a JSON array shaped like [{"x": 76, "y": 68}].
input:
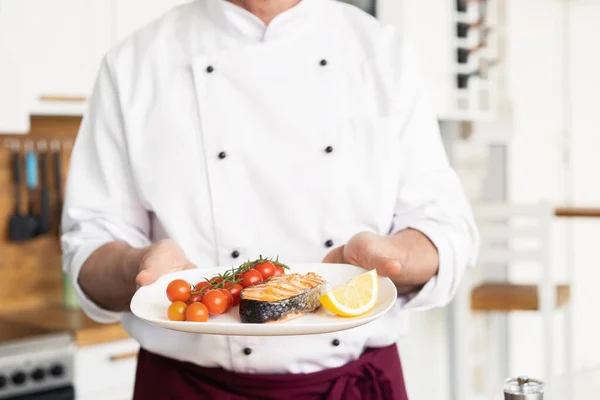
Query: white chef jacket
[{"x": 227, "y": 136}]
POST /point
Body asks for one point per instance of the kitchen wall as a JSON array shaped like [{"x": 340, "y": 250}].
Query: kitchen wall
[{"x": 584, "y": 19}]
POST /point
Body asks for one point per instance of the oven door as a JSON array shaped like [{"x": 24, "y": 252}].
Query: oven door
[{"x": 60, "y": 393}]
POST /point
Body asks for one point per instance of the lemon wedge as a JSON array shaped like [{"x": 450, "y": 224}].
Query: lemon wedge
[{"x": 356, "y": 297}]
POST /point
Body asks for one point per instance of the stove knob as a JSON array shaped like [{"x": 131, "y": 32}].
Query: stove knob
[
  {"x": 38, "y": 374},
  {"x": 2, "y": 381},
  {"x": 57, "y": 370},
  {"x": 18, "y": 378}
]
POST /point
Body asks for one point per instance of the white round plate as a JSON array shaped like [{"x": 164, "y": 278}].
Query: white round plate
[{"x": 150, "y": 303}]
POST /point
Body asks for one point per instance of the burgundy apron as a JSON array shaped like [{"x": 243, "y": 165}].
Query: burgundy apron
[{"x": 376, "y": 375}]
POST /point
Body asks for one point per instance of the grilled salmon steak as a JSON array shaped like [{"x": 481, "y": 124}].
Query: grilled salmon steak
[{"x": 281, "y": 298}]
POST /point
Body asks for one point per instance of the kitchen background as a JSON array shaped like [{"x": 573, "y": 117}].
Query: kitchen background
[{"x": 514, "y": 84}]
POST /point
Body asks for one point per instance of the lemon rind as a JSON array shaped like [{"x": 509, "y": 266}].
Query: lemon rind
[{"x": 330, "y": 302}]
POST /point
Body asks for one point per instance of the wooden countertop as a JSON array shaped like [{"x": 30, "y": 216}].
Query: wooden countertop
[{"x": 55, "y": 319}]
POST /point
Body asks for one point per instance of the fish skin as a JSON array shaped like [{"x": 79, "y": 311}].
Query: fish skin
[{"x": 258, "y": 311}]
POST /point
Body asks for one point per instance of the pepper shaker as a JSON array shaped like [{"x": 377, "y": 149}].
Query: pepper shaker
[{"x": 523, "y": 388}]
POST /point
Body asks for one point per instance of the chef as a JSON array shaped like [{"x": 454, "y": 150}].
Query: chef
[{"x": 290, "y": 128}]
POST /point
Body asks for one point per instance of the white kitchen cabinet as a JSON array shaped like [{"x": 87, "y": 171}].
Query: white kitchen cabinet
[
  {"x": 13, "y": 111},
  {"x": 62, "y": 43},
  {"x": 106, "y": 371}
]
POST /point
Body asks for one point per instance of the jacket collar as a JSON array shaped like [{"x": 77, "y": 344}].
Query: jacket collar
[{"x": 244, "y": 25}]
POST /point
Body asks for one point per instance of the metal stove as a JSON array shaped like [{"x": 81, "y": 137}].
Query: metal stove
[{"x": 37, "y": 367}]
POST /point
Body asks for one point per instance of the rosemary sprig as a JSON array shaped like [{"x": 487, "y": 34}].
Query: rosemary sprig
[
  {"x": 234, "y": 275},
  {"x": 277, "y": 262},
  {"x": 202, "y": 290}
]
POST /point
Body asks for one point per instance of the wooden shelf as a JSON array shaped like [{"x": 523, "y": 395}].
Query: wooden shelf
[
  {"x": 505, "y": 297},
  {"x": 577, "y": 212}
]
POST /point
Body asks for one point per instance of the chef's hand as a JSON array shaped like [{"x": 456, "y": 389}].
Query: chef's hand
[
  {"x": 159, "y": 259},
  {"x": 409, "y": 258}
]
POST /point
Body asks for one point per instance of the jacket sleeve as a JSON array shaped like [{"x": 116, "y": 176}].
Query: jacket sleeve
[
  {"x": 430, "y": 198},
  {"x": 101, "y": 200}
]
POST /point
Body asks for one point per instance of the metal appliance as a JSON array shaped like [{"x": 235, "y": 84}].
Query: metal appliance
[
  {"x": 523, "y": 388},
  {"x": 38, "y": 366}
]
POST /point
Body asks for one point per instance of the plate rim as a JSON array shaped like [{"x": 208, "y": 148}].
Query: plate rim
[{"x": 224, "y": 329}]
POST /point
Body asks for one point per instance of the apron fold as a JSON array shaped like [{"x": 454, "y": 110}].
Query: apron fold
[{"x": 376, "y": 375}]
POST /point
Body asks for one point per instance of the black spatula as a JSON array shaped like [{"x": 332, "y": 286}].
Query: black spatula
[
  {"x": 57, "y": 164},
  {"x": 44, "y": 221},
  {"x": 20, "y": 227}
]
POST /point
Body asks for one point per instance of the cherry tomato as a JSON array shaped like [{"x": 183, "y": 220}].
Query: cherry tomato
[
  {"x": 200, "y": 286},
  {"x": 235, "y": 291},
  {"x": 178, "y": 290},
  {"x": 196, "y": 312},
  {"x": 195, "y": 298},
  {"x": 227, "y": 285},
  {"x": 279, "y": 270},
  {"x": 216, "y": 280},
  {"x": 229, "y": 297},
  {"x": 252, "y": 277},
  {"x": 215, "y": 301},
  {"x": 177, "y": 311},
  {"x": 266, "y": 269}
]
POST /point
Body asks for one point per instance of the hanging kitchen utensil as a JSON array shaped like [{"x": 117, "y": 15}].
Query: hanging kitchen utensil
[
  {"x": 462, "y": 54},
  {"x": 463, "y": 28},
  {"x": 57, "y": 167},
  {"x": 463, "y": 79},
  {"x": 44, "y": 221},
  {"x": 31, "y": 171},
  {"x": 20, "y": 226}
]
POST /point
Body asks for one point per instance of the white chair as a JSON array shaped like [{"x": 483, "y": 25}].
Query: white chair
[{"x": 509, "y": 234}]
